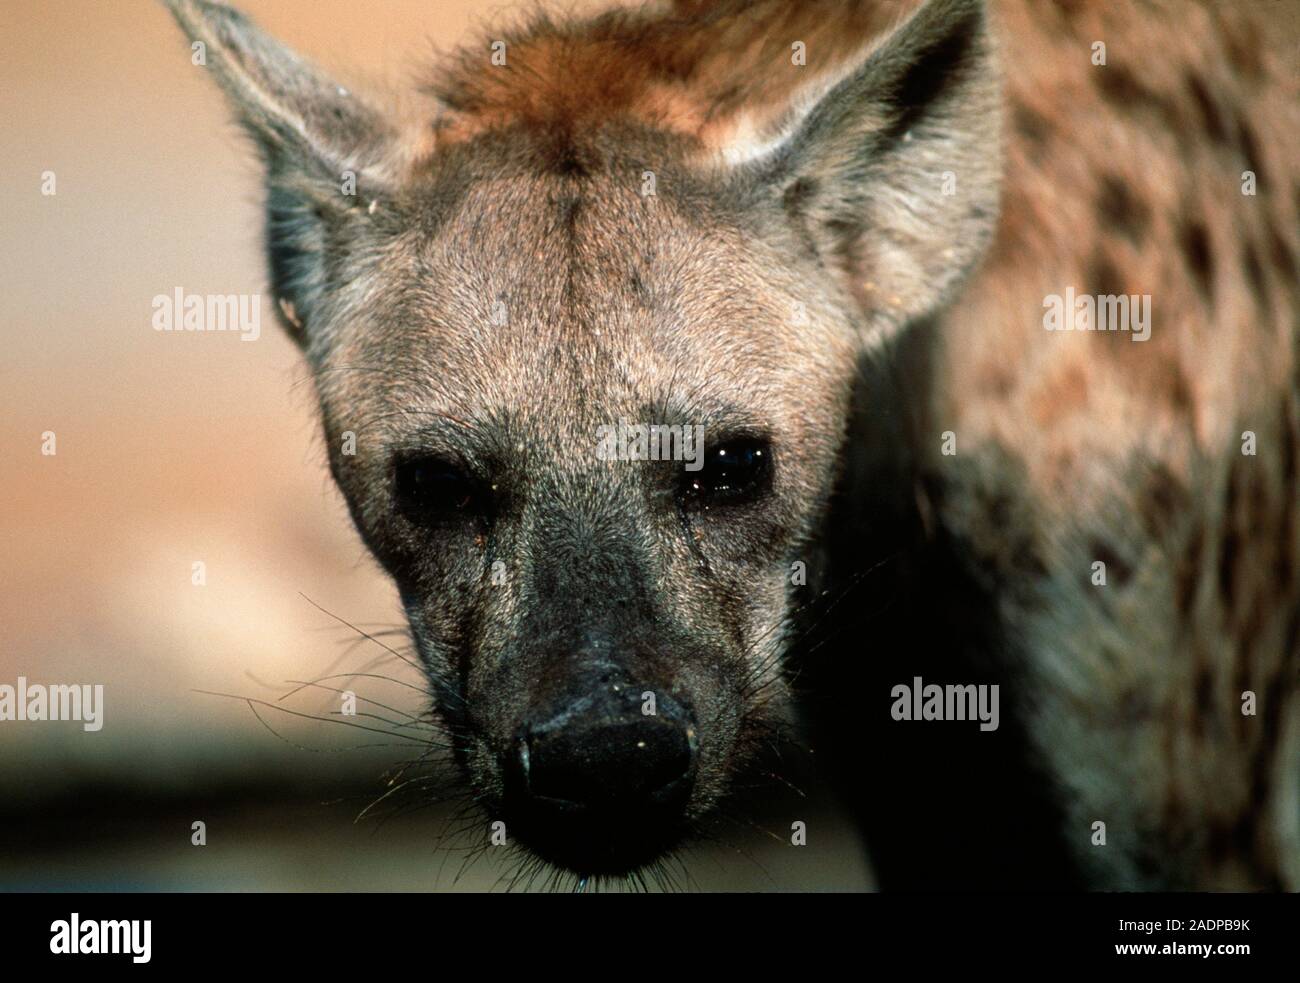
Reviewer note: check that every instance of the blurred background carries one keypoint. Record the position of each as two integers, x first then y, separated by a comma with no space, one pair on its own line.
183,448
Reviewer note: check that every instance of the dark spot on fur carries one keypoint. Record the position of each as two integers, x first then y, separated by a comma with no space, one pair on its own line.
1204,695
1283,258
998,380
1285,561
1121,211
1188,573
1230,544
1104,277
1134,704
1119,85
1290,441
1118,571
1032,126
1211,115
1292,641
999,513
1254,271
1194,239
1241,41
1250,150
1068,9
1021,558
1122,89
1163,499
1235,841
1251,627
1180,392
1286,538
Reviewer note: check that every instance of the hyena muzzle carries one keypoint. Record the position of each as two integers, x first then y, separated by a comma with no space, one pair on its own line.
826,233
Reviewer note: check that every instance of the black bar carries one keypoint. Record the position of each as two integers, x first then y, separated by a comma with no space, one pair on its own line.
445,934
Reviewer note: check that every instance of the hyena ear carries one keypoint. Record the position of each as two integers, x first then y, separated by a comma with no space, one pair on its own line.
323,147
891,173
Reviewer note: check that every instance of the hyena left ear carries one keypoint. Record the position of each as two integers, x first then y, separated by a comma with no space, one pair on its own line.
325,150
892,173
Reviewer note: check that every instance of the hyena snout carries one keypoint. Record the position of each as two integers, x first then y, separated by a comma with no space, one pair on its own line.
600,775
609,765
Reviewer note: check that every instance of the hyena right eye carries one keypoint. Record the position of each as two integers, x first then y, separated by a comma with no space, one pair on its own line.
735,471
433,491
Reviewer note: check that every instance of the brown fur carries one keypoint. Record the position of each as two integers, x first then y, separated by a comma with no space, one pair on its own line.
691,67
1127,178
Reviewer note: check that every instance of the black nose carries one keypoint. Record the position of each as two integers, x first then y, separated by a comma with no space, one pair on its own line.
614,766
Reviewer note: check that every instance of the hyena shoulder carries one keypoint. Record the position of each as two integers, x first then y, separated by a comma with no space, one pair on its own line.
1167,172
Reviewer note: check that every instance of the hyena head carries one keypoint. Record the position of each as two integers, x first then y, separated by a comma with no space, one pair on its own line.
596,230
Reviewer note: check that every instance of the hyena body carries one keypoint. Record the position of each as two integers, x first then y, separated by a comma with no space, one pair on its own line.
828,233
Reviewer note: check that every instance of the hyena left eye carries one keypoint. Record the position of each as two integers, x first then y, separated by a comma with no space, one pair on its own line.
430,490
734,471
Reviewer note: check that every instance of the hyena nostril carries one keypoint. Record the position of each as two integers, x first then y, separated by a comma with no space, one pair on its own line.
605,766
599,791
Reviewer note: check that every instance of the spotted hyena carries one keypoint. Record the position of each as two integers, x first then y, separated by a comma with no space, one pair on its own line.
988,314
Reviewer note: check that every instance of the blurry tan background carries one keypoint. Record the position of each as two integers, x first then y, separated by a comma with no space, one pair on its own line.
183,447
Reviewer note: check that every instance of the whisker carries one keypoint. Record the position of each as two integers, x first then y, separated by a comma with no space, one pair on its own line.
364,634
308,716
351,675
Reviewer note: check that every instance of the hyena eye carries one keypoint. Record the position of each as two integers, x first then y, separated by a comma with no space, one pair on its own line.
734,471
430,490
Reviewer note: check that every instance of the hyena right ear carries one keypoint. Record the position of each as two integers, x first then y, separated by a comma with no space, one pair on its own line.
325,150
891,173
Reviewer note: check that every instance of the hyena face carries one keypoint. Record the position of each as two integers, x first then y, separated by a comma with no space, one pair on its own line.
602,630
481,309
